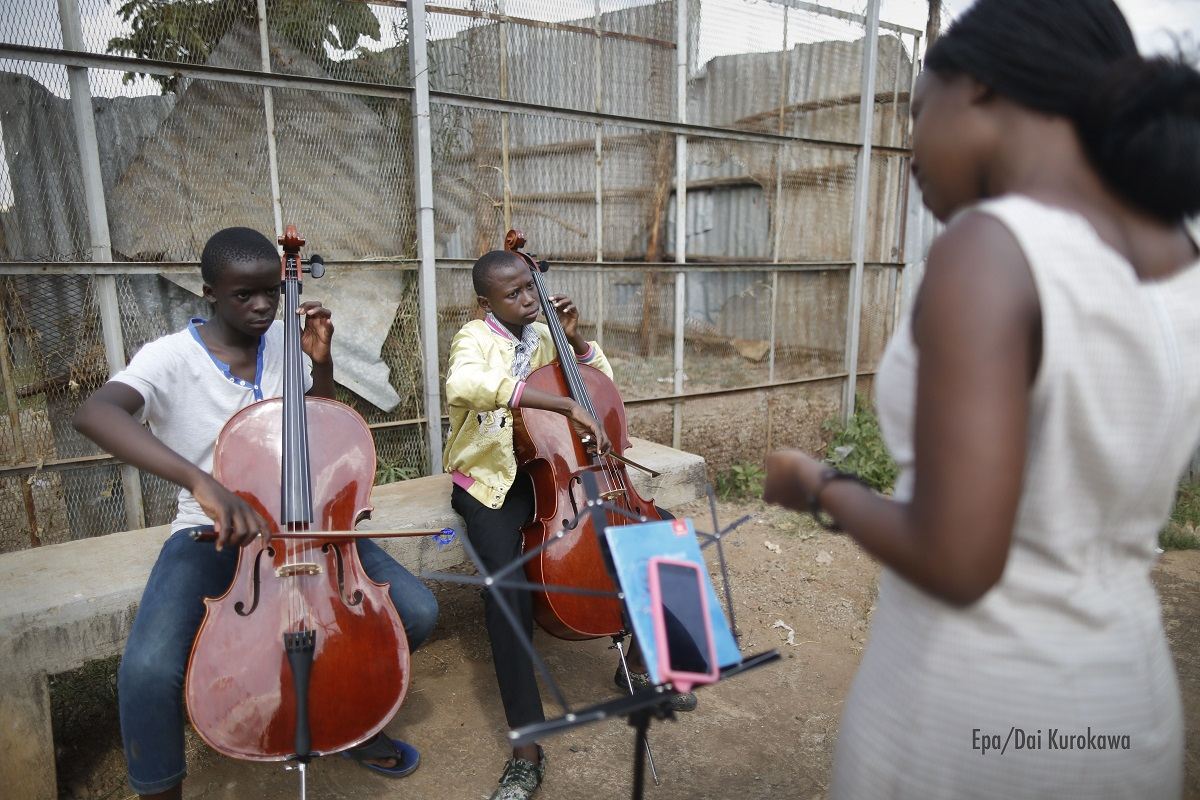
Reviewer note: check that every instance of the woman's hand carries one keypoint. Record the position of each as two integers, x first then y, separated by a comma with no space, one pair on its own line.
791,475
318,331
235,522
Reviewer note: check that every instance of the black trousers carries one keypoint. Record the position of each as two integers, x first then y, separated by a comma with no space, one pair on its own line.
495,533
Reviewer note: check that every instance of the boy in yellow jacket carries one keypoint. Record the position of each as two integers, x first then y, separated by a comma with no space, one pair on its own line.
489,361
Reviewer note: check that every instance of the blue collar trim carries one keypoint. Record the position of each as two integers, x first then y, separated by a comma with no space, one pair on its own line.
256,387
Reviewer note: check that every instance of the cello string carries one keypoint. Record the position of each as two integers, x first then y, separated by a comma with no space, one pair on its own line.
613,471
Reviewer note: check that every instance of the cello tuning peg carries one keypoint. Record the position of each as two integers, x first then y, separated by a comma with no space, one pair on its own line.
543,265
316,266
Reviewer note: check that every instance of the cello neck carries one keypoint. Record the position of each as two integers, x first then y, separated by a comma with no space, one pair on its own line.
296,503
567,362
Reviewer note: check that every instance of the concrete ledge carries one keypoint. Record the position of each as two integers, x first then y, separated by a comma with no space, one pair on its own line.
424,504
64,605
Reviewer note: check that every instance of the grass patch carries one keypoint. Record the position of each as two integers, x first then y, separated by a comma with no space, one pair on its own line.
393,471
741,482
1181,530
87,729
857,446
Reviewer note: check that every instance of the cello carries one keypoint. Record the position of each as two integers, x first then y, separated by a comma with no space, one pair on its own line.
304,655
548,449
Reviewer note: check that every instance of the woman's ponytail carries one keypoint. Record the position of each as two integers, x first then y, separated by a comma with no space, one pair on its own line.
1141,130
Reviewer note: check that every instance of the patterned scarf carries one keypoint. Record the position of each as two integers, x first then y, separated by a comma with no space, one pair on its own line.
523,347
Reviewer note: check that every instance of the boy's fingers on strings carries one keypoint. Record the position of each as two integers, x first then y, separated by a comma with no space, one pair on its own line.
564,305
313,308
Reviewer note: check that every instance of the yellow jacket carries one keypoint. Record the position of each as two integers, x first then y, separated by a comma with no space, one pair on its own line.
480,390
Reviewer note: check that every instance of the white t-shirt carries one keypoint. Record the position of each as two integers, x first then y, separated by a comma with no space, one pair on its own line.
189,396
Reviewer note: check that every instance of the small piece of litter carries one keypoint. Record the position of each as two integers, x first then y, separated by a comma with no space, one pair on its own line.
774,548
791,633
823,557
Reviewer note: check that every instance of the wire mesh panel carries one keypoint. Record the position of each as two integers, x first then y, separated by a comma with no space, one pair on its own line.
468,181
816,204
54,359
638,330
400,453
522,51
456,307
552,185
824,76
31,22
726,329
45,218
887,209
205,168
637,178
221,34
879,292
731,191
893,88
739,64
345,173
466,48
810,323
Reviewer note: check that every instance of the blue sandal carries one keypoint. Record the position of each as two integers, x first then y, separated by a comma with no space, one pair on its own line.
383,746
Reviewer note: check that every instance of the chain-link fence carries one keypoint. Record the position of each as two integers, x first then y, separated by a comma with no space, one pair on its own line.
606,130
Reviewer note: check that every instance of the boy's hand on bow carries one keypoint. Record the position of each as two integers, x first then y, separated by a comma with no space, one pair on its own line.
235,522
588,430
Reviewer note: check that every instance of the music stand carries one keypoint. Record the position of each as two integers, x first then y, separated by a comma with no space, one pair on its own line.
641,706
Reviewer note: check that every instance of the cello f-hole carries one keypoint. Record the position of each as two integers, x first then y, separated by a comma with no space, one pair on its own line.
350,600
239,607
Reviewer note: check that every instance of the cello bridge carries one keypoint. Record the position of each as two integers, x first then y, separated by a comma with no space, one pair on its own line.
303,568
611,494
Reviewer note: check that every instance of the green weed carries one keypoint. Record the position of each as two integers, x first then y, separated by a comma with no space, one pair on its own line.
857,446
1181,530
392,471
741,481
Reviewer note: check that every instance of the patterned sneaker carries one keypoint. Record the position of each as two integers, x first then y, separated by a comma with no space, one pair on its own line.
641,680
521,778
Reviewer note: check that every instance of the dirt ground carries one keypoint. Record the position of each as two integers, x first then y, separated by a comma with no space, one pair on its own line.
768,733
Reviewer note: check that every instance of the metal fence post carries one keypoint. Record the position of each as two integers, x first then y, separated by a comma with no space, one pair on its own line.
681,75
505,174
777,212
598,62
93,192
269,113
427,273
862,186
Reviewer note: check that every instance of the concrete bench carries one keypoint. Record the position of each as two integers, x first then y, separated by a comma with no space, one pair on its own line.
64,605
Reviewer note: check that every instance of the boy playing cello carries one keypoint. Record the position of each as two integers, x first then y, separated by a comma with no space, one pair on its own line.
489,362
185,386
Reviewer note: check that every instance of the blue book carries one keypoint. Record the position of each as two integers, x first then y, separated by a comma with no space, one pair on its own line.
632,547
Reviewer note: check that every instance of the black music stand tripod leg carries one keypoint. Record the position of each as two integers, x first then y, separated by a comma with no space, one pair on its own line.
618,645
641,721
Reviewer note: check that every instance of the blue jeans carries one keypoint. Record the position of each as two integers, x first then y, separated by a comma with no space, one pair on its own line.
150,679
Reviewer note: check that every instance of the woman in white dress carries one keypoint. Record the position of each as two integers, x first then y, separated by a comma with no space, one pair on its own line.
1042,403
